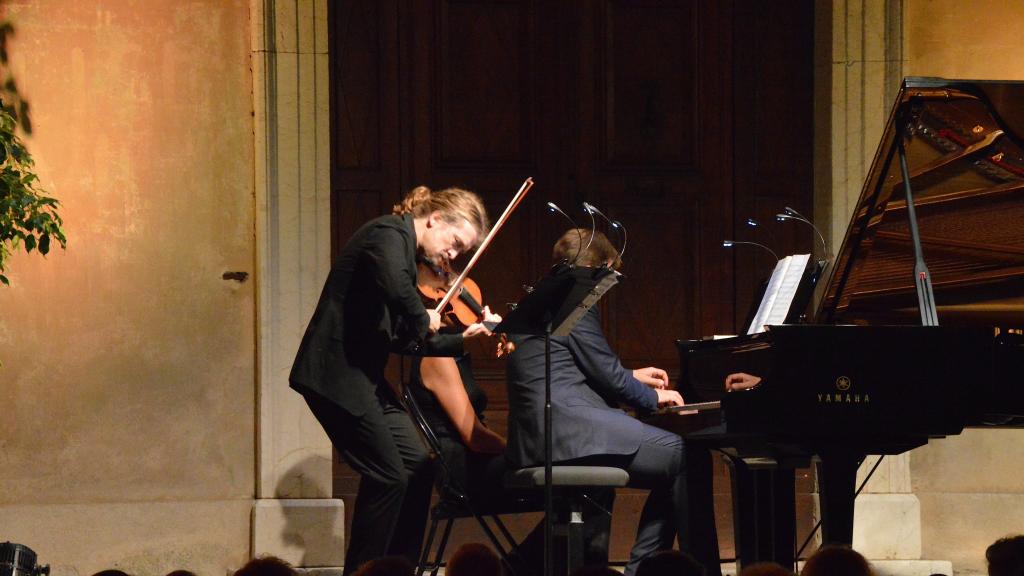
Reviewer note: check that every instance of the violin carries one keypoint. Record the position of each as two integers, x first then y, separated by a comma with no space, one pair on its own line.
465,308
458,284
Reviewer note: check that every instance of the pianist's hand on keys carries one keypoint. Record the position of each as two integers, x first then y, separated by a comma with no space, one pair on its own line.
654,377
668,398
741,381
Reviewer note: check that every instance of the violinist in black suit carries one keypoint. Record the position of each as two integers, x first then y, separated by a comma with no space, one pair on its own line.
588,382
369,308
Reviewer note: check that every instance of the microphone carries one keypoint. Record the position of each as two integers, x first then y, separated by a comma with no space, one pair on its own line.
753,224
552,207
593,227
731,243
791,214
620,230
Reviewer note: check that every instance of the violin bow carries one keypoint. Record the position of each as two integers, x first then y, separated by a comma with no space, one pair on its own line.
527,184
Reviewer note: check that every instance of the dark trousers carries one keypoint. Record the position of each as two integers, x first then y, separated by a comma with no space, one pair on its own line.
680,500
396,478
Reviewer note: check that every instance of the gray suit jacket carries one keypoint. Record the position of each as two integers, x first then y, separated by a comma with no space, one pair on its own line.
587,381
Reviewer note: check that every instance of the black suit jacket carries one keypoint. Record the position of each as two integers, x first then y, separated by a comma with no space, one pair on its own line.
587,381
369,307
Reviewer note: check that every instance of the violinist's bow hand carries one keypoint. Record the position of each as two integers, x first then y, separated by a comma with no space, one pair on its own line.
654,377
435,320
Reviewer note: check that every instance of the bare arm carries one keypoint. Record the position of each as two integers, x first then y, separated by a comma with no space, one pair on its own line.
441,377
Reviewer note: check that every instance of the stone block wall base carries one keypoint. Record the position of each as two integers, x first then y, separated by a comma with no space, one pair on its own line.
912,567
306,532
332,571
887,526
891,568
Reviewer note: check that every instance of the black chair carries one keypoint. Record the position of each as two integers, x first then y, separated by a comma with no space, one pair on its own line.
571,488
454,503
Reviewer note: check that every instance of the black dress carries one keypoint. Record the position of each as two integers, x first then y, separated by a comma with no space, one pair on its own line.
479,475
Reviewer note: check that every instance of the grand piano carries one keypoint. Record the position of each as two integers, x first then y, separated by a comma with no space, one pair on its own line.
864,373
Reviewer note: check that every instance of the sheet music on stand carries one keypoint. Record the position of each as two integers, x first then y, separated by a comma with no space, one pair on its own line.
782,288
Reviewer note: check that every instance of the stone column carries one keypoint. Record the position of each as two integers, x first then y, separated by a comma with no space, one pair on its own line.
294,516
862,78
865,70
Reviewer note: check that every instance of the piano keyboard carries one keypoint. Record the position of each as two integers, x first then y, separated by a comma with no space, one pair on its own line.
695,407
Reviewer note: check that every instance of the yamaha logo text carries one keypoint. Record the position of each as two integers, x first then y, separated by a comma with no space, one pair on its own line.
843,395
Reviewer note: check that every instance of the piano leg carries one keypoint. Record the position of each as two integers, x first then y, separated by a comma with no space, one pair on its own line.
699,537
764,512
837,475
743,513
783,514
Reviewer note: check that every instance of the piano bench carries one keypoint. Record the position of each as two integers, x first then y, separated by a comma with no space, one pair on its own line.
758,463
564,476
569,486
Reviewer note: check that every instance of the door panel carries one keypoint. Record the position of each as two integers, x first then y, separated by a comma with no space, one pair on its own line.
678,118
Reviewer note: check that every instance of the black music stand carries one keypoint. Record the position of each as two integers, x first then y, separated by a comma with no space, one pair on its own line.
552,308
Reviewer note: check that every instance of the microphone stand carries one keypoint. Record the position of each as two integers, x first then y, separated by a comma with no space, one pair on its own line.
922,277
548,449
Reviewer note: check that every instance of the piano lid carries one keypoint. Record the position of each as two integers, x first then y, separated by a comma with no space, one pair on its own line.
966,163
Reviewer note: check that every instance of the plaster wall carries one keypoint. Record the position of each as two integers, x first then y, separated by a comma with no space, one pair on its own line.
970,486
128,376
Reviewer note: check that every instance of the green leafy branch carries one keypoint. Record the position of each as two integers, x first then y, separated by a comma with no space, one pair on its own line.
28,217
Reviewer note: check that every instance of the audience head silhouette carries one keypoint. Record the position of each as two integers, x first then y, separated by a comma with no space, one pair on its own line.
266,566
386,566
1005,556
766,569
473,559
669,562
836,561
595,570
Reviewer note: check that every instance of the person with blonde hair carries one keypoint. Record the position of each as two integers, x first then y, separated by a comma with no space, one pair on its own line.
369,308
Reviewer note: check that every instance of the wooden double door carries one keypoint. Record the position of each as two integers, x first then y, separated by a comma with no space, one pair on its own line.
679,118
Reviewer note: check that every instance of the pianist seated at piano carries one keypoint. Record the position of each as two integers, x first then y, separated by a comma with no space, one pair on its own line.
588,383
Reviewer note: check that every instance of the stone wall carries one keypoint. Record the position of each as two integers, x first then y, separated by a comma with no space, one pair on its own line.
128,377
